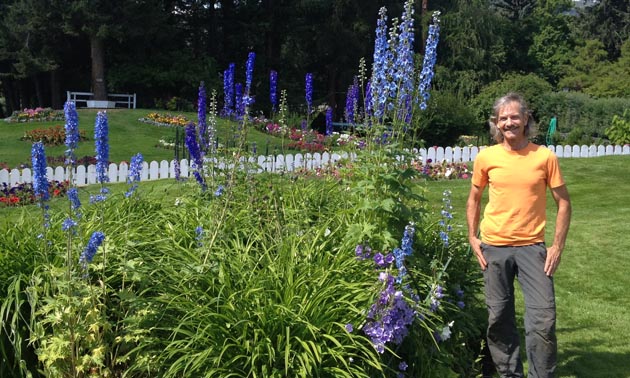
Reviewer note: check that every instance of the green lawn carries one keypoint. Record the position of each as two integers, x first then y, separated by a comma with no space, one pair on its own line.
127,137
592,281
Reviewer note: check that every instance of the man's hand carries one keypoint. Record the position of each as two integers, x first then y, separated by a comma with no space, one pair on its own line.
552,261
475,244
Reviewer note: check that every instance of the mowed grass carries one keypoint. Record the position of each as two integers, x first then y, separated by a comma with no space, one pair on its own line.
127,137
593,279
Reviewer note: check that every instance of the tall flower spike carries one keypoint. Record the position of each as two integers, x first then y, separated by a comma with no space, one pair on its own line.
379,67
273,89
238,95
40,181
73,196
72,130
133,177
249,71
248,99
90,249
195,153
403,66
329,116
228,90
309,92
430,56
101,141
201,116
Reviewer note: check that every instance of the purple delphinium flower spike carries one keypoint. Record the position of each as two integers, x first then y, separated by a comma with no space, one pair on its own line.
309,92
72,131
382,54
238,95
73,196
133,177
195,154
101,141
249,71
329,125
40,181
201,117
430,56
90,249
273,89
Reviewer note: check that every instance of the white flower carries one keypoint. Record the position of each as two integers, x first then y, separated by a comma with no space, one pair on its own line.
446,331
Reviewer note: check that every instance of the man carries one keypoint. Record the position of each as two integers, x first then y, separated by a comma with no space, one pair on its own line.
511,241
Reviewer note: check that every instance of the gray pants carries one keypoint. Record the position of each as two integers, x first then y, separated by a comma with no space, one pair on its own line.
527,264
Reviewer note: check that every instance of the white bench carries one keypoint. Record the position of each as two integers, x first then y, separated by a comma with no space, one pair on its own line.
113,100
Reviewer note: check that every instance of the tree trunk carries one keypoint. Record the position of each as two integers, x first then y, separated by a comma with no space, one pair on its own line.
55,90
99,87
38,91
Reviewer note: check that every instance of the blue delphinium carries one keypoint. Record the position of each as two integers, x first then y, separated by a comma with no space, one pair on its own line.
40,181
133,177
90,249
68,224
406,249
309,92
388,319
195,154
352,98
436,294
430,56
367,104
228,90
249,71
379,81
238,96
329,117
101,142
201,117
72,131
219,191
73,196
273,89
446,217
248,99
403,65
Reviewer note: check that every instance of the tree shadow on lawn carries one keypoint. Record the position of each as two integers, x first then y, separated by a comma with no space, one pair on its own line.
579,360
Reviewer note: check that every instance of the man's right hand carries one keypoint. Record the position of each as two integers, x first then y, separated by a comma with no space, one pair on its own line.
475,244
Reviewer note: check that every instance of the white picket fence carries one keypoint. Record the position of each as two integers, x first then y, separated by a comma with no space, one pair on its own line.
154,170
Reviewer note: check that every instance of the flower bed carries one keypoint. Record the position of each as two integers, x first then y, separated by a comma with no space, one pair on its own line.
52,136
36,115
23,194
442,171
165,120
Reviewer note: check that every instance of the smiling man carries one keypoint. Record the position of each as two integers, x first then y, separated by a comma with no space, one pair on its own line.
509,242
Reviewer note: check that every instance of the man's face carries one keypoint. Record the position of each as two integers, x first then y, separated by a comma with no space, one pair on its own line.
511,122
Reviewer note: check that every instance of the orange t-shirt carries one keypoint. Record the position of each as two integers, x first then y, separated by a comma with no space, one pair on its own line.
518,180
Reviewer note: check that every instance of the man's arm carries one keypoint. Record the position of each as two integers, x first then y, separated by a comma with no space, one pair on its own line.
473,211
563,219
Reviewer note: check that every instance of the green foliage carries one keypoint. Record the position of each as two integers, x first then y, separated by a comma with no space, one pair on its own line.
582,119
446,118
619,130
586,67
